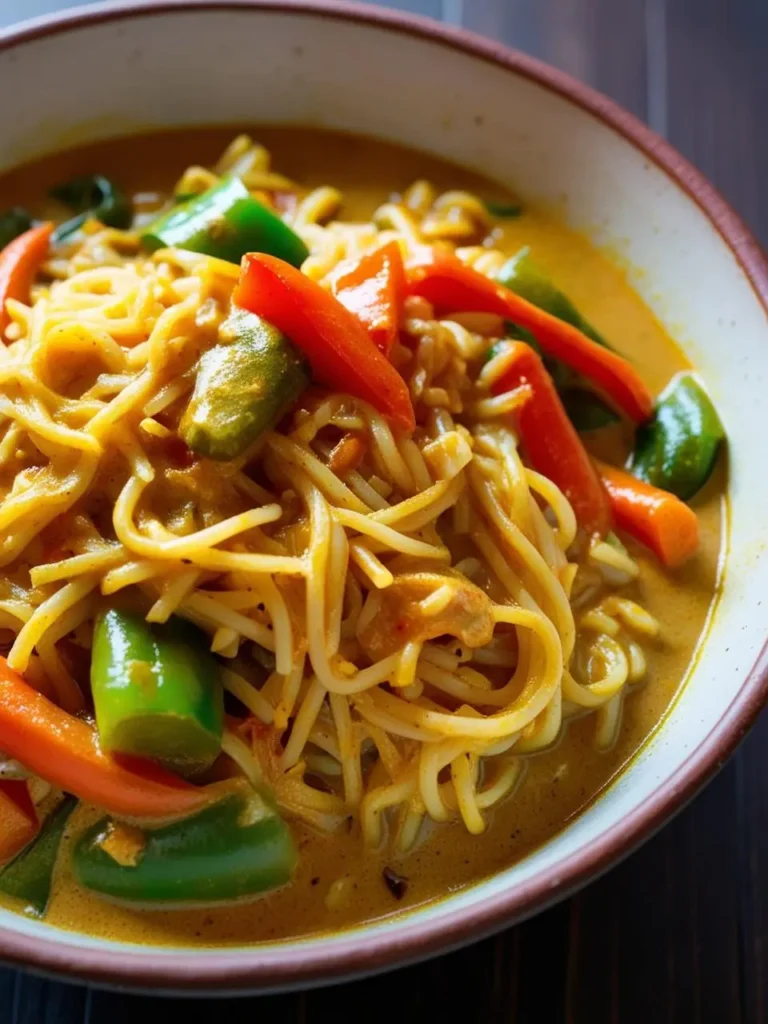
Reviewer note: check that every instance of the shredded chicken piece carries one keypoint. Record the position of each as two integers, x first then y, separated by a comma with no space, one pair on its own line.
467,615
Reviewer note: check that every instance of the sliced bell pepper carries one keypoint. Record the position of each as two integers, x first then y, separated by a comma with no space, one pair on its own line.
678,449
65,751
243,387
374,291
28,877
156,691
551,442
226,222
19,263
336,344
521,275
92,196
656,518
586,410
450,286
236,848
18,817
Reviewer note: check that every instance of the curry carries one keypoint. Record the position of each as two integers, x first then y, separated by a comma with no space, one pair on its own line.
330,533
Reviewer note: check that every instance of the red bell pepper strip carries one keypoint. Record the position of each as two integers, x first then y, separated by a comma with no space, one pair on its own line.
65,751
551,442
374,290
336,344
19,263
18,818
656,518
450,286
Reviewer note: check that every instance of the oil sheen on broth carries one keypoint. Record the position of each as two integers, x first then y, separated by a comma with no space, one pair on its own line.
558,783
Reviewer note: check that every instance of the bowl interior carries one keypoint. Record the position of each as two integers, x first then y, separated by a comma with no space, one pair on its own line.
267,65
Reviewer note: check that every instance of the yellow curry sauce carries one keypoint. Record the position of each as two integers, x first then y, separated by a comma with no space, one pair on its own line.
556,784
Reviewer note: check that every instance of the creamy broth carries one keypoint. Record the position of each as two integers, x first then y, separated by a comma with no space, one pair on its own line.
558,783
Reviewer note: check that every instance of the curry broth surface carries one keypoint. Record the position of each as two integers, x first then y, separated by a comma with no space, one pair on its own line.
556,784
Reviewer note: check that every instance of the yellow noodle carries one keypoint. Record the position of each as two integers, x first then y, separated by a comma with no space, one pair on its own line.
248,695
289,695
274,548
363,557
204,607
395,540
44,617
349,750
303,723
234,747
78,565
463,772
174,592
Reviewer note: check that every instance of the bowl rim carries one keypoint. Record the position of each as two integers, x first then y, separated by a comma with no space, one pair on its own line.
292,964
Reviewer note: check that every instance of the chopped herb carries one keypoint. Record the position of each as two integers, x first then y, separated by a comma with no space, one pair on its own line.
92,196
13,222
503,210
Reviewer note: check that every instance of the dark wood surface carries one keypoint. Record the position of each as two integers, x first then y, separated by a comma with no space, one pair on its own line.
678,933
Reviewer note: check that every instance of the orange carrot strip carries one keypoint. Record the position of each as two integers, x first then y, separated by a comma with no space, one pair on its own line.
65,751
656,518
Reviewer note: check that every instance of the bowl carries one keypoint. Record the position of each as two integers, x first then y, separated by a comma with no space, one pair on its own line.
127,67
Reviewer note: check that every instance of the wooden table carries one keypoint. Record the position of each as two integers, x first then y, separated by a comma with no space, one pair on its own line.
678,933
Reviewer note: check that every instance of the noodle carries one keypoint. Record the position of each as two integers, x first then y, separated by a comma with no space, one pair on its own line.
279,551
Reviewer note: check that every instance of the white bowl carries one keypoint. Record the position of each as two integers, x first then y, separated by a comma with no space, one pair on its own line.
114,70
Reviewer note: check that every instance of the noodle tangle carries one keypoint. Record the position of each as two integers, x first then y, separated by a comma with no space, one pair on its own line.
401,635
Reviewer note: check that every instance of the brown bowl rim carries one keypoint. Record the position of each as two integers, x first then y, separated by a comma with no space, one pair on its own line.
294,965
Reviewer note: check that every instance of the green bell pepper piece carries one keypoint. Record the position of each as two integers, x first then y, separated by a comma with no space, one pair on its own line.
521,275
92,196
28,876
243,386
587,410
678,448
13,222
156,691
236,848
226,222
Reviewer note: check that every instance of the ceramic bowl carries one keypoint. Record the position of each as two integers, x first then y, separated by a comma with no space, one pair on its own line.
103,71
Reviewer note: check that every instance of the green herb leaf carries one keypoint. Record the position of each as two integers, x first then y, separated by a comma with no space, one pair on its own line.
503,210
13,222
92,196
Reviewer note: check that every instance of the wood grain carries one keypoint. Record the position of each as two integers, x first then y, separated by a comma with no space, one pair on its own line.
602,42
